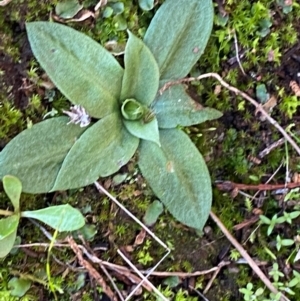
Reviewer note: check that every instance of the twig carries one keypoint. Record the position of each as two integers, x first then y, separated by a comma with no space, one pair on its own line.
105,272
144,278
103,190
215,274
246,256
197,292
43,229
92,271
237,52
268,149
188,275
258,106
122,269
228,186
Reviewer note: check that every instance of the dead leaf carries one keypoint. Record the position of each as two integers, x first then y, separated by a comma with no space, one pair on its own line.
128,249
296,178
268,107
217,90
140,238
295,88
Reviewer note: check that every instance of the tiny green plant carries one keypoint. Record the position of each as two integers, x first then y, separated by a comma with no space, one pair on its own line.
60,217
117,111
249,294
275,220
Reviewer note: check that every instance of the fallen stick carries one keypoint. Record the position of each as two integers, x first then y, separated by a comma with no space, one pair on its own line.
247,257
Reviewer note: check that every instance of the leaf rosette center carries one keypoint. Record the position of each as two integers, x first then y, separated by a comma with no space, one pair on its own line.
132,109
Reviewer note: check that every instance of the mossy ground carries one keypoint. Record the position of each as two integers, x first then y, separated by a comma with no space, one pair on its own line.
268,37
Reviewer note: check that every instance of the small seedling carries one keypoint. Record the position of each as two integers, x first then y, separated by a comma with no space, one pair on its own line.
60,217
271,222
249,294
283,242
287,217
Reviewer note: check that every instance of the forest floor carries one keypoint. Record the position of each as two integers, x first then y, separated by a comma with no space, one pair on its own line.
254,47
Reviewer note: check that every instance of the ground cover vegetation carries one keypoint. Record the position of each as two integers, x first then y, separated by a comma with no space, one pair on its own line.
254,47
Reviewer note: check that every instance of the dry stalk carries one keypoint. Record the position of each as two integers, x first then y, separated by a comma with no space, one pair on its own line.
247,257
92,271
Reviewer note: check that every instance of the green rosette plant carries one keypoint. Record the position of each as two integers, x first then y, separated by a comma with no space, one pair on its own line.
119,111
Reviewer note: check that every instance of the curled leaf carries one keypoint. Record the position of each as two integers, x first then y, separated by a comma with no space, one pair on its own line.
132,109
141,76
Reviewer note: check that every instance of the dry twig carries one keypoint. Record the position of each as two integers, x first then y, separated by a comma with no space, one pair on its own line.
215,274
258,106
237,52
92,271
229,186
246,256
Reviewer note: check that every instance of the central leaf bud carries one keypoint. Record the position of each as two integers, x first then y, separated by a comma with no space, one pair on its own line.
132,109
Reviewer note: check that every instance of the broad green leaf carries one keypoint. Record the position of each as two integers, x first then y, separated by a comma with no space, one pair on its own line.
8,233
68,9
178,176
13,189
85,72
18,286
178,34
153,212
141,76
35,155
60,217
7,243
101,151
146,131
146,4
8,225
175,107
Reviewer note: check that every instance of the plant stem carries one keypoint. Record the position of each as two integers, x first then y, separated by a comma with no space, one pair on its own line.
258,106
28,277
